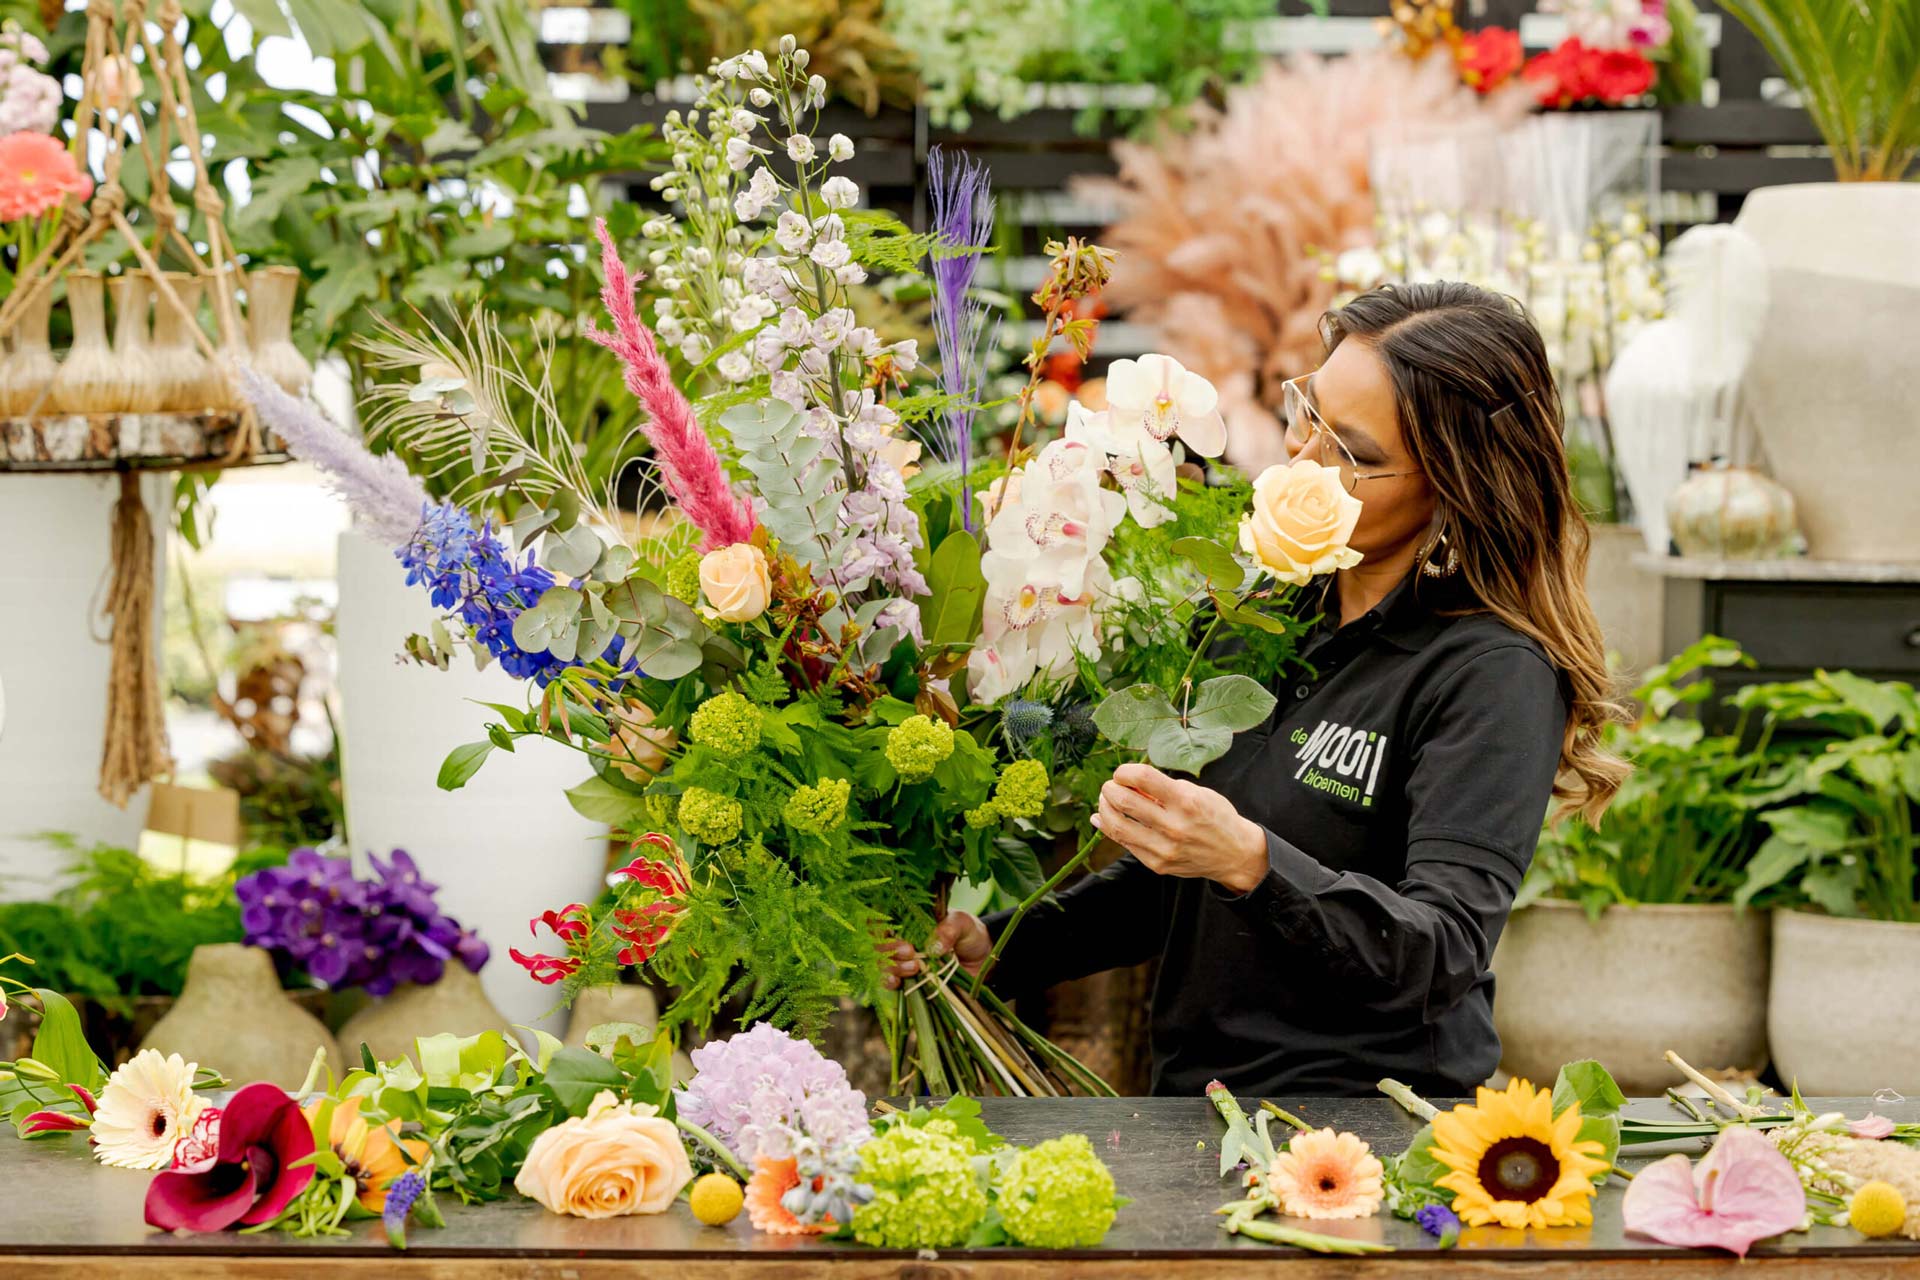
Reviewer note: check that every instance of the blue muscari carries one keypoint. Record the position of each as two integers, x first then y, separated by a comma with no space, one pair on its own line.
470,573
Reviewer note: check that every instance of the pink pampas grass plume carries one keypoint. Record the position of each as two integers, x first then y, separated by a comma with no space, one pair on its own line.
689,464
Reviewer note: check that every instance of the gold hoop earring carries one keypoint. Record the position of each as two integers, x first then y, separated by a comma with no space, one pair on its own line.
1434,567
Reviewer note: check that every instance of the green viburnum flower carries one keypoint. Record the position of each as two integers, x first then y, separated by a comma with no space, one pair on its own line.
683,578
1057,1195
1022,789
710,817
661,807
917,745
925,1193
985,815
727,723
818,809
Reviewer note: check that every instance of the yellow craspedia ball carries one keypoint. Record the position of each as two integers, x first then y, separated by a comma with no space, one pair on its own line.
1877,1209
716,1199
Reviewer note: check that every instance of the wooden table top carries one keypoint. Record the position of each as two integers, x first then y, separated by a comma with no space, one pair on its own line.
61,1215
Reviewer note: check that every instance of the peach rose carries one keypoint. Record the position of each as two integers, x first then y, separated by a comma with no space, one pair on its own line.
736,582
617,1159
638,749
1301,519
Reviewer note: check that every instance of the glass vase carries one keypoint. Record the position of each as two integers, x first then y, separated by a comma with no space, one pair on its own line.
27,372
180,388
270,294
87,381
136,391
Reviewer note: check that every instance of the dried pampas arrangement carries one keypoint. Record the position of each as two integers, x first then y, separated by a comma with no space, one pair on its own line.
1221,223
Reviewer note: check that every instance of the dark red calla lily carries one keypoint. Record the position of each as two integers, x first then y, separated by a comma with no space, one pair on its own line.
263,1136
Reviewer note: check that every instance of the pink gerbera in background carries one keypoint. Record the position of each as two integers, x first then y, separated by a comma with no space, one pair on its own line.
1323,1174
36,172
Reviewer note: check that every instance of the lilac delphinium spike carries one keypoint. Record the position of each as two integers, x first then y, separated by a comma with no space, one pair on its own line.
962,195
382,492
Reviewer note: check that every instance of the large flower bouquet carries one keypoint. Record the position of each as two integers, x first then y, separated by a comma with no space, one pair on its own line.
850,670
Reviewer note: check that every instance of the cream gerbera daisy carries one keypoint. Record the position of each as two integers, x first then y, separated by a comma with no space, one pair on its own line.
147,1104
1324,1174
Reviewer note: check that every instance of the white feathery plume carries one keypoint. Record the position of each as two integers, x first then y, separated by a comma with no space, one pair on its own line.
386,498
1717,289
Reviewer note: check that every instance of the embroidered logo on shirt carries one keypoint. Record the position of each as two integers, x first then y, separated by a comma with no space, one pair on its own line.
1340,760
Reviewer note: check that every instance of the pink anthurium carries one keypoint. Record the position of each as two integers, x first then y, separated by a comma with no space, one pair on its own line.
1871,1126
1742,1191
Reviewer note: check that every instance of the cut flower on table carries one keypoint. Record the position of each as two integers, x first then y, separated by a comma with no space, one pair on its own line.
1742,1191
1512,1160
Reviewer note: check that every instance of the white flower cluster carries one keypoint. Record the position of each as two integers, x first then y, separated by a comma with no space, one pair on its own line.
1588,294
29,100
1051,520
777,297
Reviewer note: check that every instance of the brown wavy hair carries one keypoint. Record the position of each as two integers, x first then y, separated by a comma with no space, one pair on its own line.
1481,414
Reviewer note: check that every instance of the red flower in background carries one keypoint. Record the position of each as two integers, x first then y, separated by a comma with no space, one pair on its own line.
1571,73
1488,58
644,928
1065,366
572,924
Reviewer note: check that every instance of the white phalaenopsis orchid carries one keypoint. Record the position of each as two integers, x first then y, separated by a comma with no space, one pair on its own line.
1141,466
1155,398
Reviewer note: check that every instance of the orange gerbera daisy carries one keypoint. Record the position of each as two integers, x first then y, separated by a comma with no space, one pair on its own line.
372,1153
771,1180
1323,1174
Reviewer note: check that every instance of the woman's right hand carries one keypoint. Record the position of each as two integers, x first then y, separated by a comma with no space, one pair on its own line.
960,935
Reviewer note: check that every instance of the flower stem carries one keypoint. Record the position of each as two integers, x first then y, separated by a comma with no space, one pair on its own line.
715,1146
1313,1242
1285,1117
1419,1107
1031,901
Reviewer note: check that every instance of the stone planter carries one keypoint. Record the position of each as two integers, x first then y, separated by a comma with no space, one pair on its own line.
1843,1009
233,1016
388,1026
1839,333
1625,989
623,1002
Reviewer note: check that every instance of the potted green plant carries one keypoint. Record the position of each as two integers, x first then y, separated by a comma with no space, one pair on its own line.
1645,896
1845,278
1843,1010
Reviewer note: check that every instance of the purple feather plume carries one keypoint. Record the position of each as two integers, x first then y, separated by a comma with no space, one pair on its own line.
962,195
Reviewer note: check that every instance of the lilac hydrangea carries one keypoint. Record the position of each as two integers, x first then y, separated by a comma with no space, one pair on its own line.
762,1091
346,932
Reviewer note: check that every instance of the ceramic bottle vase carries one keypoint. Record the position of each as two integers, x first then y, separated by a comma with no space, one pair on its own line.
135,389
26,372
87,381
389,1026
270,293
183,367
233,1016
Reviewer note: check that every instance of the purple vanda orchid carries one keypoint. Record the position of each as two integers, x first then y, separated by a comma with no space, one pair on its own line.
1741,1191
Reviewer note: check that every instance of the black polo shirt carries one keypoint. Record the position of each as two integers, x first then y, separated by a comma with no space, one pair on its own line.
1402,785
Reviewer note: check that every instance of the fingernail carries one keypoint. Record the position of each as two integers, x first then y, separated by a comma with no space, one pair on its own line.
909,966
939,947
1095,820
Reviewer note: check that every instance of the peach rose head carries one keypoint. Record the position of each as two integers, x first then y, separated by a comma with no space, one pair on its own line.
617,1159
736,582
1301,519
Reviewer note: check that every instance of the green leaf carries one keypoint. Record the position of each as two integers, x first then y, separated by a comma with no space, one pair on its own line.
61,1044
548,627
265,17
571,553
481,242
1835,887
1244,617
1211,559
1417,1169
1235,703
1777,859
957,590
461,764
576,1076
1589,1084
273,185
598,800
1130,716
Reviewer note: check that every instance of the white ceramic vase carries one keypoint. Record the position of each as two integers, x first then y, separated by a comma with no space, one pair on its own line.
1838,351
1625,989
55,672
1843,1011
505,847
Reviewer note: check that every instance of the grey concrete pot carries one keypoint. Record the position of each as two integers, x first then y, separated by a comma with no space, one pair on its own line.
1629,987
233,1016
1843,1013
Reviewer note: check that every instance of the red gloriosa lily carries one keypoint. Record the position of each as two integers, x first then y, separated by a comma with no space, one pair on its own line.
52,1121
547,969
255,1175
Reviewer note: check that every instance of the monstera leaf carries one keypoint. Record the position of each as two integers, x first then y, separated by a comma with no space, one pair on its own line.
1142,718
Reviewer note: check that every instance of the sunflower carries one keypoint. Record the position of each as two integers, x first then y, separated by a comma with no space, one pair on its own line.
147,1104
1512,1161
1324,1174
375,1155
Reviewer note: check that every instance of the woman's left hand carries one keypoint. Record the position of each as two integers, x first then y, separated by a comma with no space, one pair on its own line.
1180,828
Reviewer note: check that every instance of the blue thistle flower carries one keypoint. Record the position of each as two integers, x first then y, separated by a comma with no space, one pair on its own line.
1023,721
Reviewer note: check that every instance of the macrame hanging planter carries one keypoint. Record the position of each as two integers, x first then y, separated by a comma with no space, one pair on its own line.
157,390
